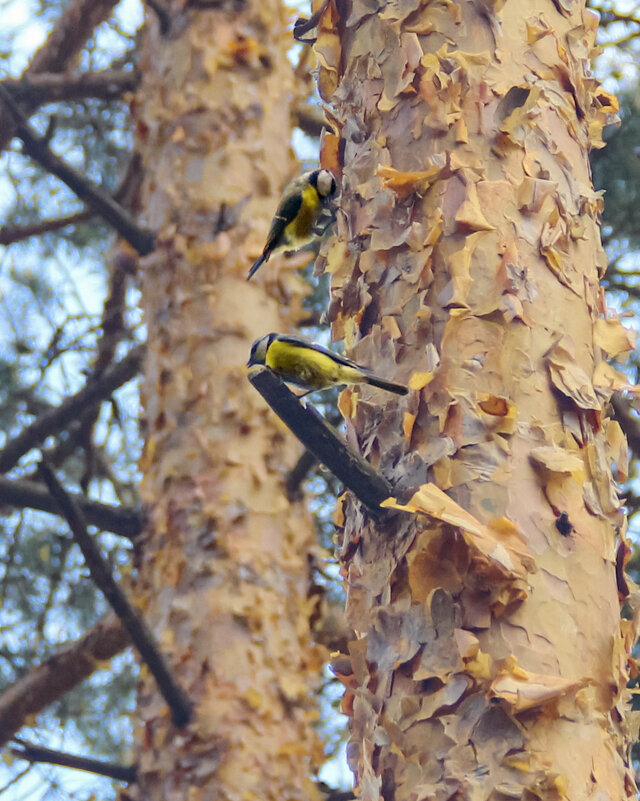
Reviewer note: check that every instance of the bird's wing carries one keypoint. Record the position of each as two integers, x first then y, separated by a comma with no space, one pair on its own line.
303,343
286,211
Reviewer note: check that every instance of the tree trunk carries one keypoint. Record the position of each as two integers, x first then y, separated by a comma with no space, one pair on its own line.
223,569
491,660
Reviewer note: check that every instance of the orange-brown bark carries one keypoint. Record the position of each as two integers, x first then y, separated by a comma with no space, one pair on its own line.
491,660
224,565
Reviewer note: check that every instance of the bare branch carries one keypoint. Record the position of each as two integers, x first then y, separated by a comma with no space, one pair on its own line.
628,423
37,753
609,16
331,629
309,119
124,194
323,441
58,675
97,389
141,637
15,779
18,233
31,494
204,4
68,36
298,474
164,19
331,794
302,26
38,148
112,332
55,87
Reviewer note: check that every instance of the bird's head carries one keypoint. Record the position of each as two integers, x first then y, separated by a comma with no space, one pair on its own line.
324,183
259,350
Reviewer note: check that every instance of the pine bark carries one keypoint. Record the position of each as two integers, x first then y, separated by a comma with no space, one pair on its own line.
491,660
224,563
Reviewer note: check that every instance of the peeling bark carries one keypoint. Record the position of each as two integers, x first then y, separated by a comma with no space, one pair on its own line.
224,567
491,660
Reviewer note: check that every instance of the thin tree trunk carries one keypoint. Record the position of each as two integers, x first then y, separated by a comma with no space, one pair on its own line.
491,660
223,573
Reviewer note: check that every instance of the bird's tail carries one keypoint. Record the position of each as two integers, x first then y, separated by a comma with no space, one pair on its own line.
256,265
381,383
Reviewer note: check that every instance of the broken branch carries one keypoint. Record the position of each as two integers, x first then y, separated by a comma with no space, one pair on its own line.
323,441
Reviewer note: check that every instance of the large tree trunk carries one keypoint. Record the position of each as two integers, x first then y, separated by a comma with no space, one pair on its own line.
492,661
223,572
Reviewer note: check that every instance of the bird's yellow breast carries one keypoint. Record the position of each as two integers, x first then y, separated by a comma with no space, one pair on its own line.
300,229
306,367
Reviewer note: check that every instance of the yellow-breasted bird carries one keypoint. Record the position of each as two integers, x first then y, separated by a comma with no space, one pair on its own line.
310,367
296,219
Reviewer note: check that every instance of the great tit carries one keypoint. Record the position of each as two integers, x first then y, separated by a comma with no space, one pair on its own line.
295,223
310,367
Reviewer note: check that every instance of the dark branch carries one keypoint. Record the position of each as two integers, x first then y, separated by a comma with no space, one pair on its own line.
331,794
72,30
55,87
162,15
305,464
323,441
59,674
337,795
298,474
19,233
302,26
129,186
51,422
141,637
37,753
38,148
113,330
628,423
309,119
30,494
204,4
70,33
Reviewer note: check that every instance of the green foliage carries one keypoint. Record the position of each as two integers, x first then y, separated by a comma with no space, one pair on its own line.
616,170
52,292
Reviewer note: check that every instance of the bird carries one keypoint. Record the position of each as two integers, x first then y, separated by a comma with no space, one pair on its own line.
310,366
295,222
